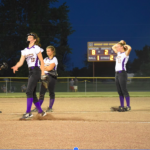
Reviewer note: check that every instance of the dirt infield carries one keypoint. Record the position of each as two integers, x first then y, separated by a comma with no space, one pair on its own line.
86,123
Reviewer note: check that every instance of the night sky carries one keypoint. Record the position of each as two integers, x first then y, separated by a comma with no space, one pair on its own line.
107,20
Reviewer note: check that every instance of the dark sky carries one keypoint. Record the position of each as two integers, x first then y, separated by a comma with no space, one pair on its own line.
107,20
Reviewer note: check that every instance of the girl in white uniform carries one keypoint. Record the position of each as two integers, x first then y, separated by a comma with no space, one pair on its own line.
32,54
123,52
50,64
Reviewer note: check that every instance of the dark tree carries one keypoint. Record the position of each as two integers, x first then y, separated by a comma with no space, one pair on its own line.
19,17
141,64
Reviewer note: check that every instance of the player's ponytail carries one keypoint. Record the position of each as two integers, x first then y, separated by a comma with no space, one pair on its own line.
52,49
37,42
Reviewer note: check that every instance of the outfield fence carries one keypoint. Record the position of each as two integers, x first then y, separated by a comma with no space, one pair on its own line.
84,84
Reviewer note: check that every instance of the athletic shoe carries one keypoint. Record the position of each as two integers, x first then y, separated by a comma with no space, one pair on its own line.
49,110
26,116
0,111
121,109
34,110
42,114
127,108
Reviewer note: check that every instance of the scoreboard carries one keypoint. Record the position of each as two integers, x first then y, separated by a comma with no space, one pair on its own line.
101,51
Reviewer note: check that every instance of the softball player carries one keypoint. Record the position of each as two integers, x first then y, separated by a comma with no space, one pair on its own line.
32,54
123,52
50,63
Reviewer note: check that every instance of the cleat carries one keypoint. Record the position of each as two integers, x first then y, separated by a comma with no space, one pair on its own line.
26,116
121,109
49,110
127,108
0,111
34,110
42,114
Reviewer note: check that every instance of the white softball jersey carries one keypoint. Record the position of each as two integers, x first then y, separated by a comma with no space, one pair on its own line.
48,61
121,61
31,55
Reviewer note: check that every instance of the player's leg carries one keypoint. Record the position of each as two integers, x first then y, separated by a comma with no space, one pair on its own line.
41,97
42,94
34,76
121,107
123,84
121,96
37,76
36,102
29,92
51,88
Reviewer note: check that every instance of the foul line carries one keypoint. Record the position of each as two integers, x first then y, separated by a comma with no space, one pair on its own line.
81,112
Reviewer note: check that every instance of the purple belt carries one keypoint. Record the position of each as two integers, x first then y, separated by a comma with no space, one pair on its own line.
30,68
120,71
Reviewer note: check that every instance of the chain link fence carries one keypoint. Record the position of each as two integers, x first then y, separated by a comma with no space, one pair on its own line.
79,84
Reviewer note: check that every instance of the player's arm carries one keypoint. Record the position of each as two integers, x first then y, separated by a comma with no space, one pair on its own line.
50,67
19,64
42,62
128,47
114,48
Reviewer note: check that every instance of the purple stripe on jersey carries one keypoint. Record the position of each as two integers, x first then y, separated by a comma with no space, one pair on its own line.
50,59
36,62
123,63
30,47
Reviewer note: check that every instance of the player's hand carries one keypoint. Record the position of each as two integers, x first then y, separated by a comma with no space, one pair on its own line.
15,68
45,68
126,48
42,73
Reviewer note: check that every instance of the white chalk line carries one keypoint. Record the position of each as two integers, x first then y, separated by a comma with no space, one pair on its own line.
83,112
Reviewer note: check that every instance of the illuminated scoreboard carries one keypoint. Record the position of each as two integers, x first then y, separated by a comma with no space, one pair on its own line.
101,51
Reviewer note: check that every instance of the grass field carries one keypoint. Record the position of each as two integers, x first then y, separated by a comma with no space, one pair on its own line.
77,94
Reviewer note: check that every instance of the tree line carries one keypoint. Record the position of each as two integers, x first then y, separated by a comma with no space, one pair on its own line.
51,23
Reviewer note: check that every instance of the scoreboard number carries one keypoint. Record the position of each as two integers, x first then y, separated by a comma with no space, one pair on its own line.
106,51
111,57
97,57
93,52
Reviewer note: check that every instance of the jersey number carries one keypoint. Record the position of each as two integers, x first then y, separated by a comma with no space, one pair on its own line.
32,59
119,60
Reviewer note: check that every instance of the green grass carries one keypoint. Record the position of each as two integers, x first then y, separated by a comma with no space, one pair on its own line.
77,94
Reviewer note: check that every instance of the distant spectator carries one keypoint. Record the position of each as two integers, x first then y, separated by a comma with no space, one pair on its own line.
76,85
23,88
72,85
3,88
12,89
